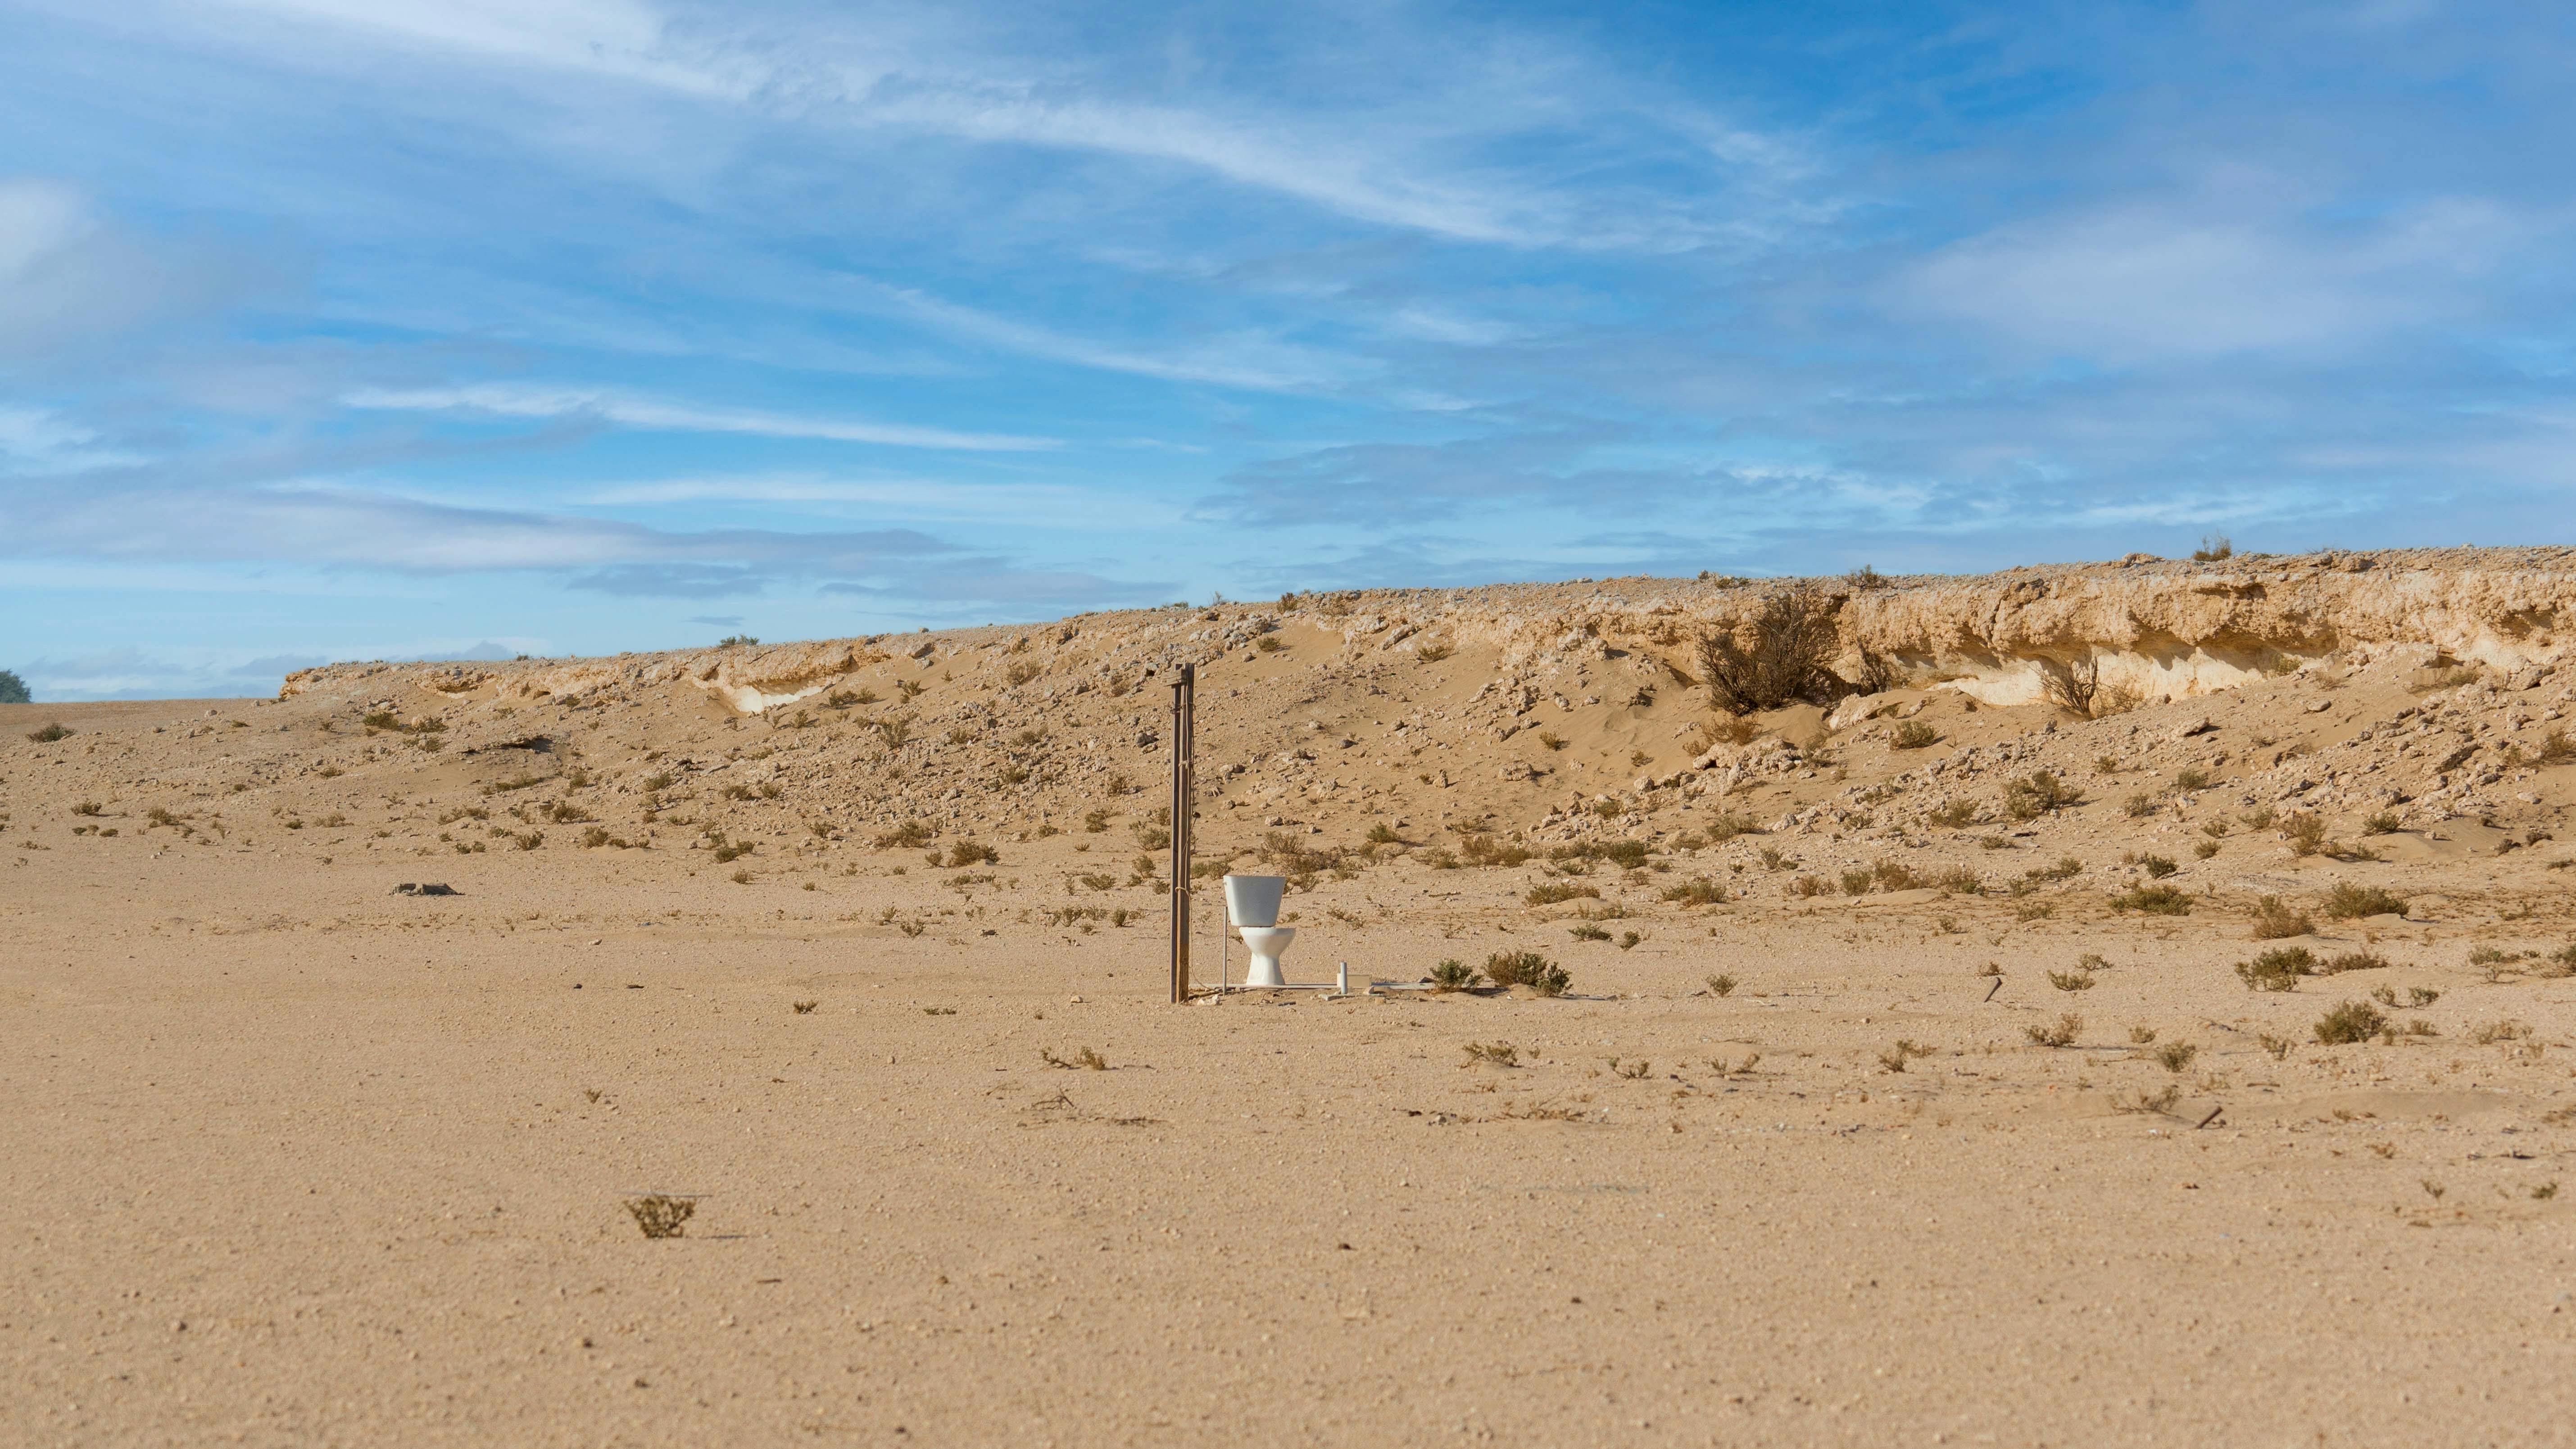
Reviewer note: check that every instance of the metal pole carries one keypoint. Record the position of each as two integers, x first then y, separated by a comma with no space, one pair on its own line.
1184,721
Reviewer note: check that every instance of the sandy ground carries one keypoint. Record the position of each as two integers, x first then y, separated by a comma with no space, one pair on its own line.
292,1159
275,1183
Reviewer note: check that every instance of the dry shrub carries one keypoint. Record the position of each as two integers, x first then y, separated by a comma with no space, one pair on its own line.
2353,1021
2077,688
2278,969
2274,921
911,835
2347,901
2038,793
2155,900
1778,655
1453,975
2060,1033
660,1215
970,852
1732,730
1487,850
1905,1050
1699,890
1527,968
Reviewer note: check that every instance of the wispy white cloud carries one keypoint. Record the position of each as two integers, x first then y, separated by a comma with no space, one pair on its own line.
1057,504
2187,278
1414,159
524,401
36,443
1245,359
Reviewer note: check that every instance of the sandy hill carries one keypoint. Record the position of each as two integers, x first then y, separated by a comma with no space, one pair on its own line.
2254,715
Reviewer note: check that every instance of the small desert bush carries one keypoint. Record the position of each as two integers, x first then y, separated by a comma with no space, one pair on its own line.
2353,961
2076,980
1956,815
1914,734
1486,850
1721,986
49,734
2037,794
1452,974
1586,931
2385,822
1905,1050
1699,890
2306,834
2138,805
969,852
2078,689
2155,900
2278,969
2175,1056
2353,1021
2347,901
1731,730
1527,968
911,835
1550,892
2191,779
2060,1033
661,1216
2157,866
2274,921
1492,1053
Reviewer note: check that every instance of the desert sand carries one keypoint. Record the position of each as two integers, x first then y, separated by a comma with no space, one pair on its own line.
1896,1095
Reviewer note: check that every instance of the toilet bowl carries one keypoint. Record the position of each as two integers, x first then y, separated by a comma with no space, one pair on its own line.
1267,944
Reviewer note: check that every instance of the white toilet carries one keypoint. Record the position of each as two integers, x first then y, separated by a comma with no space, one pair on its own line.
1252,908
1267,944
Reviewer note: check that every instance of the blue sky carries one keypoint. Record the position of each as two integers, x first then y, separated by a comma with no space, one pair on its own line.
418,328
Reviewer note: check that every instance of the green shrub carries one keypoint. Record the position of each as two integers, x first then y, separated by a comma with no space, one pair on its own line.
2353,1021
1527,968
1699,890
2274,921
2155,900
2347,901
13,690
2278,969
1452,974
